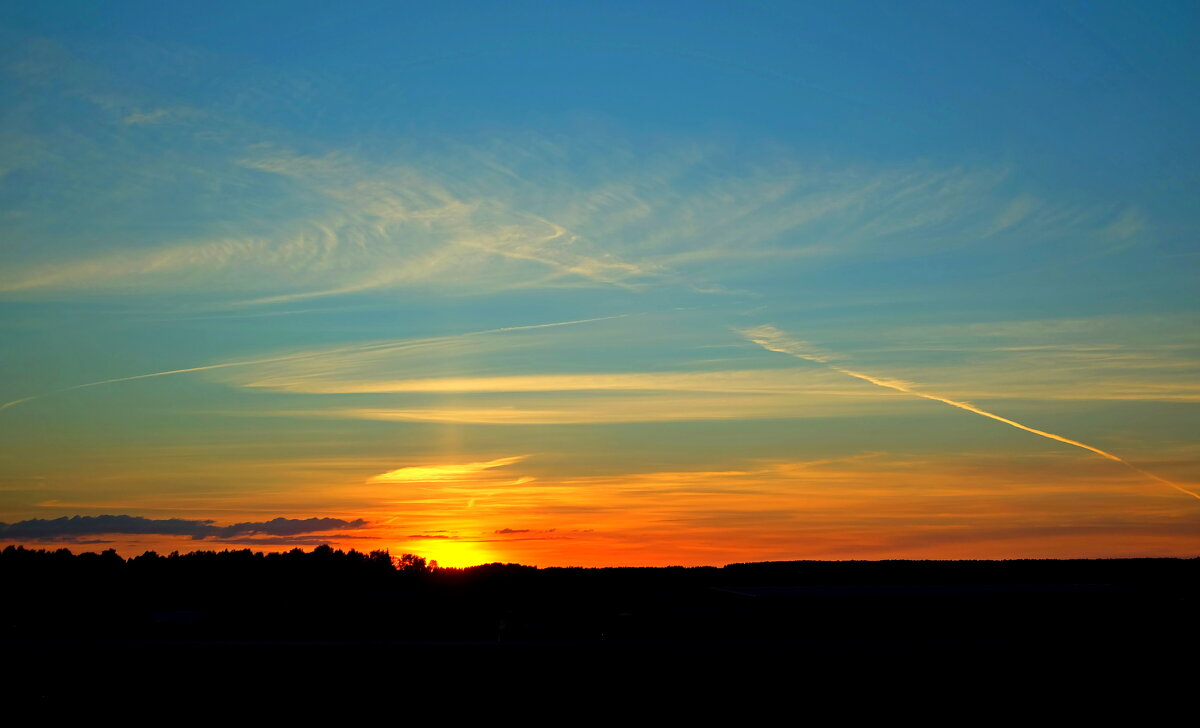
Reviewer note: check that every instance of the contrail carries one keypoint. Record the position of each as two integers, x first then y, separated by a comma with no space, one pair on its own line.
303,355
556,323
772,339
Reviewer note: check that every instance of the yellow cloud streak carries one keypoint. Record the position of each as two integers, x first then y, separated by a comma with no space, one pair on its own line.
438,473
772,339
754,381
611,409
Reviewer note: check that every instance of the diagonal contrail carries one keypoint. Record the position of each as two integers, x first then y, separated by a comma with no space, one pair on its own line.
772,339
303,355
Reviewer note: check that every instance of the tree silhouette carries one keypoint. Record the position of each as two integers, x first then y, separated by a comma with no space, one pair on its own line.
412,564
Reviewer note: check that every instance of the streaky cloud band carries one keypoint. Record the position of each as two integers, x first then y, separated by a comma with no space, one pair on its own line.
302,355
772,339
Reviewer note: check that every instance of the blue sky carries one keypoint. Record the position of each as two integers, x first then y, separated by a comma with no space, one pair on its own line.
335,237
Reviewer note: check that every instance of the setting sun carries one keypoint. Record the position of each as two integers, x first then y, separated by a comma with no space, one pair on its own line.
450,554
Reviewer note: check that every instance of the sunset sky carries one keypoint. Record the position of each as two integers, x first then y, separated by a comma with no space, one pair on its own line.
601,283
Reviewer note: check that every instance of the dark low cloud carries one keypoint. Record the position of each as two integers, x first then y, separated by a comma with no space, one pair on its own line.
74,527
287,527
294,540
519,538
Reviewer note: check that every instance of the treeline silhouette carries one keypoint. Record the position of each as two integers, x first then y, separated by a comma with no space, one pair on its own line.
329,595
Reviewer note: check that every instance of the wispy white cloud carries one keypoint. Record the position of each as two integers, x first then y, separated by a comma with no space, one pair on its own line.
160,115
505,215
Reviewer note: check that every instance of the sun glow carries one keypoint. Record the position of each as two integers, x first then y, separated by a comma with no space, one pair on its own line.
452,553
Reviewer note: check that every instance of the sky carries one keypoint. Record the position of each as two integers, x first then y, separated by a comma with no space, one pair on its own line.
601,284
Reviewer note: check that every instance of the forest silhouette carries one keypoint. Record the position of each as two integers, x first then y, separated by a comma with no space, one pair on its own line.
365,622
331,594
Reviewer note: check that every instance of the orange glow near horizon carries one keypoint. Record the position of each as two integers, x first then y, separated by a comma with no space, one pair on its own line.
866,506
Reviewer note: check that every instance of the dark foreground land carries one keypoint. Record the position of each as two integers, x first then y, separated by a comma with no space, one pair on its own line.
217,624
